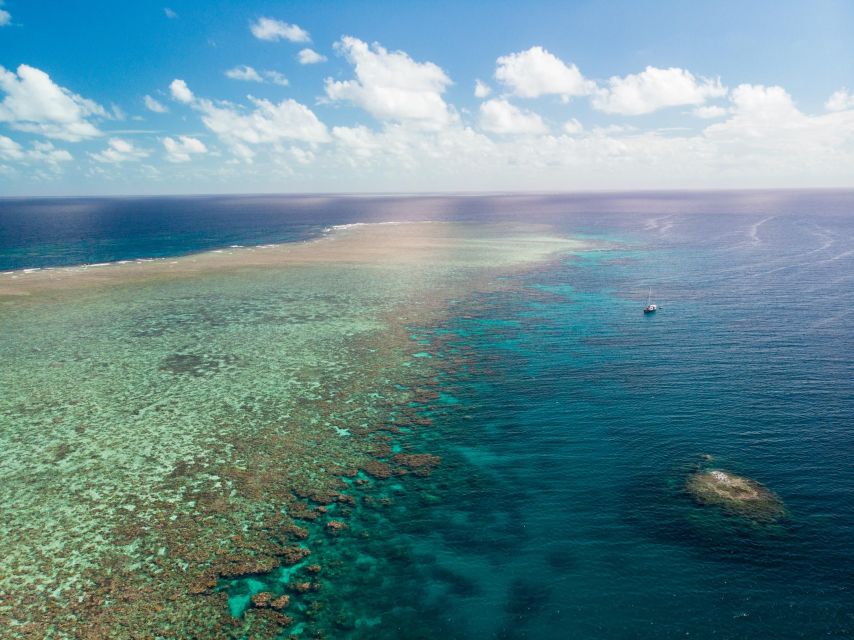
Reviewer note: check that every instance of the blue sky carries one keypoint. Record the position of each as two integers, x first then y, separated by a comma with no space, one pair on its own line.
573,95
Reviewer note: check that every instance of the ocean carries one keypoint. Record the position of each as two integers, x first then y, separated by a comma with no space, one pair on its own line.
566,420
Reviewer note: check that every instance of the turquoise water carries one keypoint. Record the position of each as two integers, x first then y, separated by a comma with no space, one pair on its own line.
572,420
567,422
580,438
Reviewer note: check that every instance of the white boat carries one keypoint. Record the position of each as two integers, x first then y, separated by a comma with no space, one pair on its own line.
650,307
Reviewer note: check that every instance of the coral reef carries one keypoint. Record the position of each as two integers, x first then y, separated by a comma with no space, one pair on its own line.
208,417
422,464
736,494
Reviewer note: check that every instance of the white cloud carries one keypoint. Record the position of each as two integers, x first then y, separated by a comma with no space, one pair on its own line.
763,141
276,78
10,149
5,18
362,141
181,149
499,116
153,105
572,127
34,103
169,13
536,72
310,56
46,152
416,153
271,29
119,150
767,134
244,72
43,152
654,89
180,91
840,100
266,123
392,86
763,106
481,90
710,112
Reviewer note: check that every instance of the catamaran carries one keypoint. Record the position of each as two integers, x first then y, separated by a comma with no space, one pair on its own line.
650,307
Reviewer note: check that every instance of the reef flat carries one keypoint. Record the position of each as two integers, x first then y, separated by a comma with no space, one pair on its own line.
170,425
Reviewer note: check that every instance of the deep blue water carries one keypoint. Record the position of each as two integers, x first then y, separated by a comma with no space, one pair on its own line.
567,515
559,509
51,232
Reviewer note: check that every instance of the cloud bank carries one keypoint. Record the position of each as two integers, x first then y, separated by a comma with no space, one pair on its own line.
385,120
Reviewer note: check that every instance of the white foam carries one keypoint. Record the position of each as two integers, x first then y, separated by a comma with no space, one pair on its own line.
351,225
753,231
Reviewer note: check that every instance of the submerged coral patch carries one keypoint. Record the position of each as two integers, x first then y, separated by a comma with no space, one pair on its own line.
195,364
736,494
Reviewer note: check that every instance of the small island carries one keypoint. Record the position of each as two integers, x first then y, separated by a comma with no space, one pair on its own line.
736,494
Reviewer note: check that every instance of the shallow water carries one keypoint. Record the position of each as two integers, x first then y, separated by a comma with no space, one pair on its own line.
566,420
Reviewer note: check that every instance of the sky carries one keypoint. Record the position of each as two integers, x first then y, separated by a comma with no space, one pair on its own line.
327,96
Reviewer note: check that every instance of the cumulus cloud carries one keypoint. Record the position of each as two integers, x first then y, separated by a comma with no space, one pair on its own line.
654,89
244,72
119,150
180,91
169,13
536,72
154,105
34,103
392,86
272,29
481,89
763,105
840,100
767,133
265,123
499,116
181,149
5,18
310,56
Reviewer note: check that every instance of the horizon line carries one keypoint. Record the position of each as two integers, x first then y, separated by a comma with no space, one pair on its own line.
422,194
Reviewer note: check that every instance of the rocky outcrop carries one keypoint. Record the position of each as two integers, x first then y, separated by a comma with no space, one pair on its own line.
736,494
